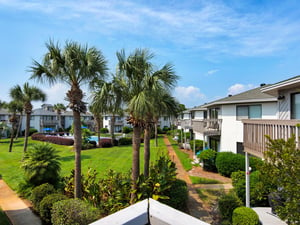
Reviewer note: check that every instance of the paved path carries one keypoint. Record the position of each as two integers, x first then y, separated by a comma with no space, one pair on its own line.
195,204
14,207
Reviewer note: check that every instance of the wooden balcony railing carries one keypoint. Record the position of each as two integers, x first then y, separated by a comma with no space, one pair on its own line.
212,127
255,131
49,122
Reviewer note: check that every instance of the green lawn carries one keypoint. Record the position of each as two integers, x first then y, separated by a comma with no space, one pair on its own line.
202,180
101,159
183,157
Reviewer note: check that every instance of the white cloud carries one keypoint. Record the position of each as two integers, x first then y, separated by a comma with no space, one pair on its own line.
238,88
189,96
213,26
211,72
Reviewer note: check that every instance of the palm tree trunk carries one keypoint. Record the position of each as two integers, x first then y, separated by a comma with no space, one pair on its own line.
98,130
112,128
146,150
12,136
77,148
27,131
155,128
136,142
19,127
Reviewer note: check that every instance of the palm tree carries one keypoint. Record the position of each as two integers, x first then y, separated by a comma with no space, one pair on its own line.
59,107
141,81
26,95
109,98
74,65
13,107
20,111
97,114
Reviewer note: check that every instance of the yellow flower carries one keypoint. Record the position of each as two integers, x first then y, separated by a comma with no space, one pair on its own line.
157,185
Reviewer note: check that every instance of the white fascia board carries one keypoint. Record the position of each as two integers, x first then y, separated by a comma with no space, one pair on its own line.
284,84
242,101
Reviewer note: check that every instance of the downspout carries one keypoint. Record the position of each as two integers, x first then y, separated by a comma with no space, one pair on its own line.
247,180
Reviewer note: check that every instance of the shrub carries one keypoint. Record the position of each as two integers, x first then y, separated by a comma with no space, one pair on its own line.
244,216
39,192
46,206
104,130
41,165
178,195
227,203
52,139
198,144
125,141
208,157
228,162
73,211
105,143
255,163
126,130
31,131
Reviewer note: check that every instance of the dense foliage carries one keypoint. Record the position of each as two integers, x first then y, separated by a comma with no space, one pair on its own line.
244,216
208,158
126,130
39,192
53,139
73,211
228,162
281,171
125,141
41,165
227,203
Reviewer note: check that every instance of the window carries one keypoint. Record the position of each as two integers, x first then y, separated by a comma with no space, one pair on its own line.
295,106
248,112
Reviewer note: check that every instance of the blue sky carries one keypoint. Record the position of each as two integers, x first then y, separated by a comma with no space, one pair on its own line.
217,47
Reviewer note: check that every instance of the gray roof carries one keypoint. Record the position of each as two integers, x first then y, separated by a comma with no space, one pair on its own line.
292,83
251,96
42,112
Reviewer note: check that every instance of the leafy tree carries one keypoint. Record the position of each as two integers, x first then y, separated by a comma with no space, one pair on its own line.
59,108
140,81
74,65
26,95
41,165
281,170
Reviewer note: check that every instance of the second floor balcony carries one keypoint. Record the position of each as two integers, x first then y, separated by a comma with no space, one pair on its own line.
49,122
255,131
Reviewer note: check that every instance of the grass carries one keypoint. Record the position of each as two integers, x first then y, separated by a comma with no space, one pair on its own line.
3,218
183,157
117,158
202,180
210,196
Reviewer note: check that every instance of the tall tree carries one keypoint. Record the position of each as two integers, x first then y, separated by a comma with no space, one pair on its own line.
97,114
74,65
26,95
109,98
59,108
140,81
13,107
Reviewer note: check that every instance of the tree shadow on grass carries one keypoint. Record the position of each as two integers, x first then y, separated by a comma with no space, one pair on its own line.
71,157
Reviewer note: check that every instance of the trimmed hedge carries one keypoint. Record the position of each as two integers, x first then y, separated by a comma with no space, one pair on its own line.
53,139
125,141
73,211
105,143
46,206
39,192
228,162
244,216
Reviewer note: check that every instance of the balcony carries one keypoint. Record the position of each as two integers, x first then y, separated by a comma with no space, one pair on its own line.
255,131
49,122
186,124
198,125
212,127
117,123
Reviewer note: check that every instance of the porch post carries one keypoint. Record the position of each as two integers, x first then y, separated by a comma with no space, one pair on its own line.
247,180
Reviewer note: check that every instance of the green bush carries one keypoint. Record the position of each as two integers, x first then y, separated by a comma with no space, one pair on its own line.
73,211
198,144
39,192
125,141
104,130
228,162
41,165
126,130
31,131
209,160
255,163
46,206
244,216
178,195
227,203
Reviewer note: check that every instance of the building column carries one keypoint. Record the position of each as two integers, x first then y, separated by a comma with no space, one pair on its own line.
247,180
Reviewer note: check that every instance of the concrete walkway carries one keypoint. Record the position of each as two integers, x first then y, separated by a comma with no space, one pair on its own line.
14,207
